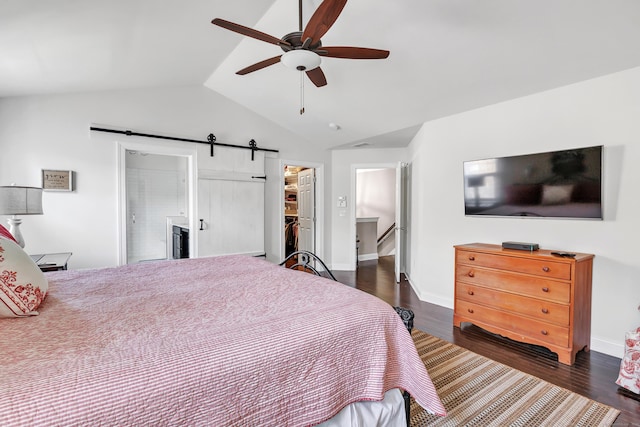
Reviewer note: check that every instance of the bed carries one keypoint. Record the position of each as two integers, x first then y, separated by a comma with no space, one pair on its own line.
222,341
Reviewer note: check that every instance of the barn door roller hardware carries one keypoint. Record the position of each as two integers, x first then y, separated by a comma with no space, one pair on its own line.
211,140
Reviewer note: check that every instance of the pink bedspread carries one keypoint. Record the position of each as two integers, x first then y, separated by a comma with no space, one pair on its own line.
220,341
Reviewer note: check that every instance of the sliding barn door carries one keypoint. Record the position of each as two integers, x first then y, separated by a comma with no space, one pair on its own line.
231,214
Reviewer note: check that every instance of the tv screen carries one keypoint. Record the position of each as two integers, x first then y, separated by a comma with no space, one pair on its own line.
557,184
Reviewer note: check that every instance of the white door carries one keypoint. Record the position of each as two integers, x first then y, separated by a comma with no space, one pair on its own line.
306,210
231,217
401,227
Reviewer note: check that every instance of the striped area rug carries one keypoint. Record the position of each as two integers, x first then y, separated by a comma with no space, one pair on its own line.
480,392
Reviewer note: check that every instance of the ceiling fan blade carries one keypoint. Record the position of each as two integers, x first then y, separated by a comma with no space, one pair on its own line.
349,52
322,19
249,32
317,77
259,65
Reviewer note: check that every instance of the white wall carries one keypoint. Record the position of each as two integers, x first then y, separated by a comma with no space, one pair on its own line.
344,164
52,132
603,111
376,196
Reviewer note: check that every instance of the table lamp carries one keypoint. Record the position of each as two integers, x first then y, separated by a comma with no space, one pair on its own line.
17,200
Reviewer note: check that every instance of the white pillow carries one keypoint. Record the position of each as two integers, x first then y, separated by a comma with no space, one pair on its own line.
556,194
23,286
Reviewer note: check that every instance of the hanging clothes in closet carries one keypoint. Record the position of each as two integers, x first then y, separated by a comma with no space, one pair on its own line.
291,234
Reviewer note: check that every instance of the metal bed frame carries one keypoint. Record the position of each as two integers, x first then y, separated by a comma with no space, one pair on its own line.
311,263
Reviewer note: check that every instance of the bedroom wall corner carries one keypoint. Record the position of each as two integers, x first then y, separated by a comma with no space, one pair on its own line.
601,111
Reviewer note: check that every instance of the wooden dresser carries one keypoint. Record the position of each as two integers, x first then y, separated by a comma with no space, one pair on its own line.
532,297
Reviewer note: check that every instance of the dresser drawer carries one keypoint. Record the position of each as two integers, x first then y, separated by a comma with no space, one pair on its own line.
533,297
549,290
546,311
544,268
538,330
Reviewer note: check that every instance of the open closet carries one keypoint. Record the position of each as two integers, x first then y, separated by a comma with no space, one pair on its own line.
299,209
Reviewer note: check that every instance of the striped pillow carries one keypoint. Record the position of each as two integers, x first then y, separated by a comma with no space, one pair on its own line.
23,286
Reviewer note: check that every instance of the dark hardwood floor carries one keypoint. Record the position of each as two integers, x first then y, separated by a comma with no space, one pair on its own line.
593,375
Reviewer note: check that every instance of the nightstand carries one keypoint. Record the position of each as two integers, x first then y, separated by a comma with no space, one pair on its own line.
52,262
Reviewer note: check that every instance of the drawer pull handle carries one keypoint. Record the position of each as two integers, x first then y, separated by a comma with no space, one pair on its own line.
543,332
471,274
545,311
470,292
545,289
470,310
472,258
546,269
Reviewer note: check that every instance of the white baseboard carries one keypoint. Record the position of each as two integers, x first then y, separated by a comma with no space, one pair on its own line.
607,347
431,298
341,267
368,257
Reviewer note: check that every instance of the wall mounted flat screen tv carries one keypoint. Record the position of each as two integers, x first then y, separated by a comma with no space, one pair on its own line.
557,184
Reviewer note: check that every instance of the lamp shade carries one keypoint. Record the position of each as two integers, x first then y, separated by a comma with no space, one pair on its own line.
300,59
17,200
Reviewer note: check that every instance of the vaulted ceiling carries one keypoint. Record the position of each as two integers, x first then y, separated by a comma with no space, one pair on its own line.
447,56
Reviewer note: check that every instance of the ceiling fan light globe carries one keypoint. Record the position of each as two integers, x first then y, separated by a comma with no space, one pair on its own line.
302,60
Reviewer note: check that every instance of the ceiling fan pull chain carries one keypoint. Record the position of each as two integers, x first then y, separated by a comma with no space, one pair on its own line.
301,92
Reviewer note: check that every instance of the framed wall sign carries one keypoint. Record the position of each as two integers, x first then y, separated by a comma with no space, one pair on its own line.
57,180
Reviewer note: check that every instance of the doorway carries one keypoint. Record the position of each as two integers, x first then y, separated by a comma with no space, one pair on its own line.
299,209
155,191
375,213
275,207
379,223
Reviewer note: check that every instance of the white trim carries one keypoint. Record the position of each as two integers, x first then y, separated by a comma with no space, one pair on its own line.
367,257
430,298
319,200
372,219
607,347
351,238
167,150
228,176
340,267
